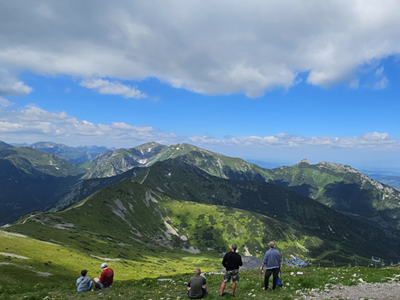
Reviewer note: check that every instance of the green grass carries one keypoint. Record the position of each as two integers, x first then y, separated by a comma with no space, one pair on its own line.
172,287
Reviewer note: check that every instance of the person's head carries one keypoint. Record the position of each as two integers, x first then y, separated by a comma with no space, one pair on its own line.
234,247
103,265
198,271
83,273
271,244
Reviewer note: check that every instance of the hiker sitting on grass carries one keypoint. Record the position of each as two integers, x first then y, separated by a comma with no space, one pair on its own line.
83,283
106,277
197,286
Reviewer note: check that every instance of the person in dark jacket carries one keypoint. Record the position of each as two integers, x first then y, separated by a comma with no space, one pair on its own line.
196,287
83,283
272,263
231,261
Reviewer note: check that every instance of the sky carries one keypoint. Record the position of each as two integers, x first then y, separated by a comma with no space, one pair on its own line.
274,81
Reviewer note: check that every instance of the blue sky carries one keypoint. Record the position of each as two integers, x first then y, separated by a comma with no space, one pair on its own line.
275,82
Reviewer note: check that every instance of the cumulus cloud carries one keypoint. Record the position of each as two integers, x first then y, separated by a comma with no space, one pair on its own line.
5,103
219,47
375,141
33,123
11,86
106,87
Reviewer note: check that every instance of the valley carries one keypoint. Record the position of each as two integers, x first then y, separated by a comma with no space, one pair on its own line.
154,210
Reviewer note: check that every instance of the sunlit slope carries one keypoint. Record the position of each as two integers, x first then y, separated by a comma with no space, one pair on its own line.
134,227
116,162
111,163
302,213
337,186
30,161
344,189
213,163
28,261
128,213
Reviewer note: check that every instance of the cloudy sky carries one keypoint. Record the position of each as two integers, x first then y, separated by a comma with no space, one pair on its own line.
275,81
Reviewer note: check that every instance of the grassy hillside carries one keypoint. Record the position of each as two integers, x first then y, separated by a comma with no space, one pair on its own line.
165,223
346,235
30,160
33,280
139,232
31,180
337,186
213,163
111,163
128,213
5,145
343,189
327,234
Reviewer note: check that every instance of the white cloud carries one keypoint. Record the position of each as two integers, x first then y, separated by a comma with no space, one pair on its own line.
5,103
106,87
220,47
10,86
32,124
376,141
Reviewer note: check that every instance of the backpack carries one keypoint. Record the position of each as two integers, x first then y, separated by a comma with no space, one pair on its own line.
279,281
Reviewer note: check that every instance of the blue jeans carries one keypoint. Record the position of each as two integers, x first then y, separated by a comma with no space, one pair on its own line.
102,286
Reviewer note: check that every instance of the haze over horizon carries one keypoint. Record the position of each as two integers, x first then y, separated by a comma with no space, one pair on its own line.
275,82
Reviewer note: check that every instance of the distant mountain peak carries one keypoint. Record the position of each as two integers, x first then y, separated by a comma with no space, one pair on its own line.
336,166
304,161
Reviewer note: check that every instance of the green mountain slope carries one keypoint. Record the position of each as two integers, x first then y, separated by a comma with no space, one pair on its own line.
88,187
337,186
310,217
343,189
111,163
213,163
133,226
31,180
5,146
208,214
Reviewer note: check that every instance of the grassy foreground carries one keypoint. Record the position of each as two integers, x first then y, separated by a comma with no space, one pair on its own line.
174,287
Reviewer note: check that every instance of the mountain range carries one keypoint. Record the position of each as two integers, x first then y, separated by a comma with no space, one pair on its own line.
184,198
72,154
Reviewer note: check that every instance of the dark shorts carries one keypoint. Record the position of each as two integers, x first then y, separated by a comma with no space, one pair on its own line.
234,274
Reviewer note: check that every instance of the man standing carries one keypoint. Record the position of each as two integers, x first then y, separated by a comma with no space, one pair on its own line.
232,261
106,277
197,286
272,263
